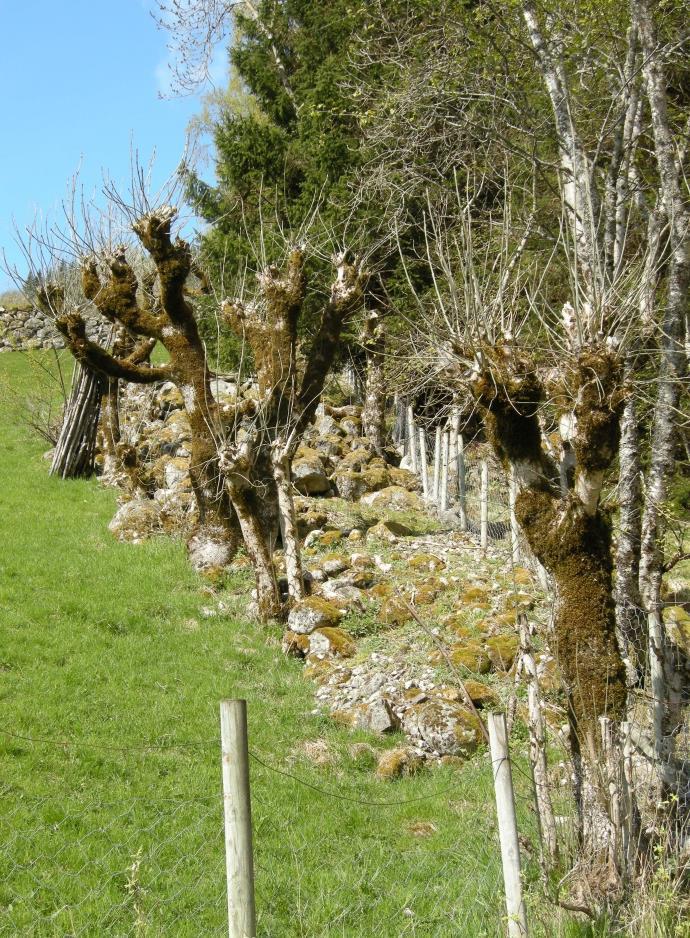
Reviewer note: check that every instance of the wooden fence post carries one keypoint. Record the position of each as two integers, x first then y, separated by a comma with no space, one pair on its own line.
507,825
462,482
454,431
411,435
537,744
445,459
514,527
437,465
424,464
484,506
238,819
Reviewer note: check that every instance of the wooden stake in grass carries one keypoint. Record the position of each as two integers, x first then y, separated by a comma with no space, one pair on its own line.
462,482
537,745
437,465
445,459
238,819
484,506
514,529
411,438
424,464
507,825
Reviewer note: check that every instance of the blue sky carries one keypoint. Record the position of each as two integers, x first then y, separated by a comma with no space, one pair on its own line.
79,84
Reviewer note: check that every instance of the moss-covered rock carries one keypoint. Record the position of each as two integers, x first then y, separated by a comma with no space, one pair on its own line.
395,763
313,613
426,562
447,728
502,650
394,611
473,657
331,642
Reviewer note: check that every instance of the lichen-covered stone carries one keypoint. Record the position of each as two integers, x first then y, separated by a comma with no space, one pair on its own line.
394,763
473,657
393,498
394,611
502,651
446,728
313,613
331,642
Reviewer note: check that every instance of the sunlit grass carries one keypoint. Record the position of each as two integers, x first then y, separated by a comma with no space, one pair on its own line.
110,678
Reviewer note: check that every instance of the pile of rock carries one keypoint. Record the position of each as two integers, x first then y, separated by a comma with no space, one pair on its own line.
24,329
333,460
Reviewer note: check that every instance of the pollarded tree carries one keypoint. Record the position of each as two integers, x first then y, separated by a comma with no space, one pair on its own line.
263,445
110,283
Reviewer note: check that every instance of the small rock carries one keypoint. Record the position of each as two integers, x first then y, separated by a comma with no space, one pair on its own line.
398,762
313,613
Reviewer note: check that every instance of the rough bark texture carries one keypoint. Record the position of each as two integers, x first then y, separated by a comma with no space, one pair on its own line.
373,341
570,535
257,461
668,695
76,446
111,284
630,622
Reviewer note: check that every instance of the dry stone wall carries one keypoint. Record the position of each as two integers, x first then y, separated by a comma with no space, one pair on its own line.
23,329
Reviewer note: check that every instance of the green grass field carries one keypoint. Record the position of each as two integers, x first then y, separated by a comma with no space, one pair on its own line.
111,815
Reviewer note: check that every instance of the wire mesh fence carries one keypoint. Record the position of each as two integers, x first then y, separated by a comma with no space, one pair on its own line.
76,863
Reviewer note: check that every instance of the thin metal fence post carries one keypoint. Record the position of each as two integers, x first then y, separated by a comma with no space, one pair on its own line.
238,819
507,825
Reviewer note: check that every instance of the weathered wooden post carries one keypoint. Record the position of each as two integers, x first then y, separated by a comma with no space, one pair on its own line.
412,437
514,527
507,825
462,481
424,464
437,466
484,506
445,459
454,431
537,744
239,860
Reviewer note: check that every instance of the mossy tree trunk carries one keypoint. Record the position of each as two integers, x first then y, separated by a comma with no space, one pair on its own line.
262,452
113,287
569,534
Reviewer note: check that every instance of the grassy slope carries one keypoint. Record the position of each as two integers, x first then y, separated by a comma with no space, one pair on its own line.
103,646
